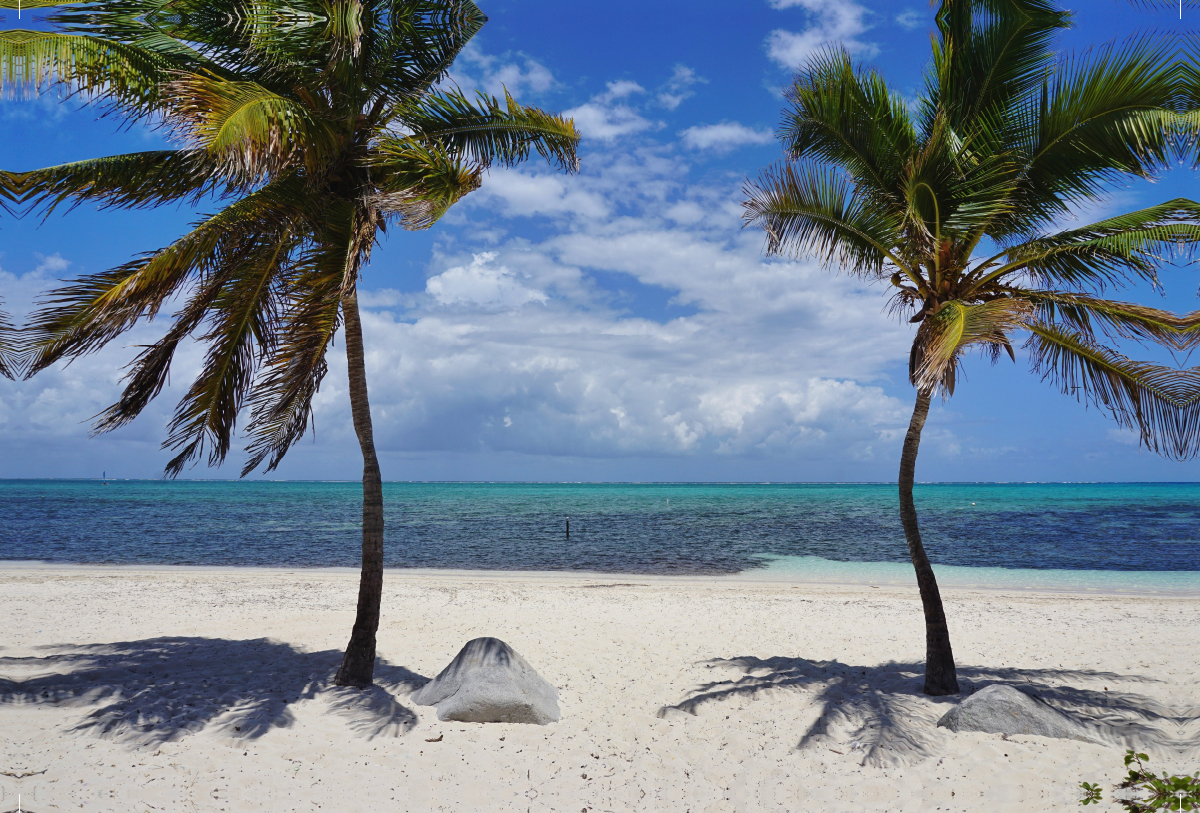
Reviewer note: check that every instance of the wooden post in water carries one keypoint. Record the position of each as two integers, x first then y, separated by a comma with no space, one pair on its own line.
568,527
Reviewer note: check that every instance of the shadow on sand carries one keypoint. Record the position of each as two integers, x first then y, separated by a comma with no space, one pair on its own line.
882,711
158,689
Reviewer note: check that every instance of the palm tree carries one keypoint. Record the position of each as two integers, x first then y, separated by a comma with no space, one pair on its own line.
957,201
319,123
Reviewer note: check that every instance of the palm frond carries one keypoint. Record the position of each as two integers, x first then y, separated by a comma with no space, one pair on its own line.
411,54
1088,316
135,180
1101,117
1108,252
157,26
1156,401
418,183
83,316
243,320
24,4
249,130
987,55
11,347
851,119
11,190
148,373
281,400
486,132
127,77
808,210
956,327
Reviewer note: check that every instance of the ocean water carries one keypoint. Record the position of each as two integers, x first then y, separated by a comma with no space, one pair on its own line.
1131,536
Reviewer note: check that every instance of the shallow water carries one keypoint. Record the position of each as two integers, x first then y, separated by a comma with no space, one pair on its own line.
642,528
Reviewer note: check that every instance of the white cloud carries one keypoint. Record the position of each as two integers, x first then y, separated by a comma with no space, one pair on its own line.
620,89
910,20
520,74
605,117
834,22
481,284
527,194
52,264
678,87
759,358
535,338
724,136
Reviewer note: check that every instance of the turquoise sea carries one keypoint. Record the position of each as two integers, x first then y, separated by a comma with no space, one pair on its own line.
1143,536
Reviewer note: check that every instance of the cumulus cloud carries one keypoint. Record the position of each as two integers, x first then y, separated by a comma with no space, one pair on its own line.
834,22
910,19
481,284
724,136
608,116
525,349
678,87
520,74
617,313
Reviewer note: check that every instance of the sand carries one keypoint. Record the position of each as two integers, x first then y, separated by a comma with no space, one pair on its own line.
185,689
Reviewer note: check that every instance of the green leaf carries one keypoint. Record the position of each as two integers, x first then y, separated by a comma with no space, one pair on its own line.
486,132
126,76
1159,402
956,327
807,210
135,181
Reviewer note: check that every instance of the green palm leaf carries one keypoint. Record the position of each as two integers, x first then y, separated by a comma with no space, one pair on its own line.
806,209
127,77
85,315
955,328
136,180
1109,252
1102,117
1094,319
1156,401
486,132
247,129
852,119
417,183
281,401
11,350
242,322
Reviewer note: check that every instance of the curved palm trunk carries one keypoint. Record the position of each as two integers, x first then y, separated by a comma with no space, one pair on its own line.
358,664
940,675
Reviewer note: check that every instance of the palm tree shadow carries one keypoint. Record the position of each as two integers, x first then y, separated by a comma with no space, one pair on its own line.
158,689
882,711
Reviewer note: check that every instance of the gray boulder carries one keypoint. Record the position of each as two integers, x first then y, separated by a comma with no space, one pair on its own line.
1001,709
488,682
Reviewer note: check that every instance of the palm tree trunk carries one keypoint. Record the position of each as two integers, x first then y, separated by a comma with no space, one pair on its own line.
940,675
358,664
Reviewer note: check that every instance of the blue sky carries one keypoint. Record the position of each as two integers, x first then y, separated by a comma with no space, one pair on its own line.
612,325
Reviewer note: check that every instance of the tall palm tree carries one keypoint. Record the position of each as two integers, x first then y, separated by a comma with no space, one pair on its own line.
957,201
319,123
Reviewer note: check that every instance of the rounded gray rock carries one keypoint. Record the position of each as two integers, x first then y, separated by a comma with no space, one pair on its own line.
488,682
1002,709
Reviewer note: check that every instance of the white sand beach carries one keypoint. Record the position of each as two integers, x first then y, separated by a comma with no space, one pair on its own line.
208,689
